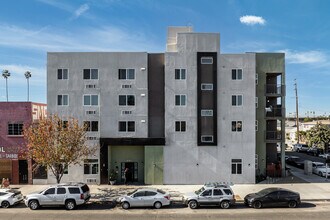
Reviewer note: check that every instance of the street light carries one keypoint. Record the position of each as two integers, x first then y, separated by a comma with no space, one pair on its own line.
6,74
27,75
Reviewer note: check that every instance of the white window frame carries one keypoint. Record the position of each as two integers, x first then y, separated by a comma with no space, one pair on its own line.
62,99
90,73
236,163
257,102
208,136
181,74
62,73
181,95
207,86
206,58
235,129
181,122
207,112
257,125
90,99
126,104
90,164
236,74
126,76
236,95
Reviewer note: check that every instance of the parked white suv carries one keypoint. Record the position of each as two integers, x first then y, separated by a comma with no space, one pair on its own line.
210,194
300,147
67,194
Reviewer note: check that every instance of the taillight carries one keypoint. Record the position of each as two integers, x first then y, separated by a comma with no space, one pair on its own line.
82,196
167,197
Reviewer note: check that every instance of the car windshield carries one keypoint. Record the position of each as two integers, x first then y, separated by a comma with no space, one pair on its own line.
130,193
264,192
199,191
161,191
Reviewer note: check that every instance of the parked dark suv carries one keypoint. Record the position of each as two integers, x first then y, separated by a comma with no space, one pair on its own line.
67,194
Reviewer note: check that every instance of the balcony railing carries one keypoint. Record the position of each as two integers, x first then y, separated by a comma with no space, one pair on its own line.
275,112
273,135
274,89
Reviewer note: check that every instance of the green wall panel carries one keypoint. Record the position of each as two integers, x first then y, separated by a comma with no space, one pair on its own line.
154,165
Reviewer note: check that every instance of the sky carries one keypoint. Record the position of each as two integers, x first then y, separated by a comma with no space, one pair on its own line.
300,28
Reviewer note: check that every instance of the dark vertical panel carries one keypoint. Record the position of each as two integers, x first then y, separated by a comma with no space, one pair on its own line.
104,163
156,96
207,73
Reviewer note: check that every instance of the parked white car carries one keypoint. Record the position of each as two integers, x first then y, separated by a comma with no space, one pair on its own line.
145,197
324,155
9,197
322,170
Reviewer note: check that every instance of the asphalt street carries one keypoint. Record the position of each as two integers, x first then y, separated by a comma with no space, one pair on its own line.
307,210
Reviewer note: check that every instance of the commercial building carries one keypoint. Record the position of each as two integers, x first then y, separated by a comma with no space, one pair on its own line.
13,117
186,116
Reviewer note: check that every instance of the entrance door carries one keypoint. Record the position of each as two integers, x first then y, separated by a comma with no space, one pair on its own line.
23,171
131,171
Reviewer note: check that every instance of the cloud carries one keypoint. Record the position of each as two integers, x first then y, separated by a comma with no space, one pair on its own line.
81,10
252,20
304,57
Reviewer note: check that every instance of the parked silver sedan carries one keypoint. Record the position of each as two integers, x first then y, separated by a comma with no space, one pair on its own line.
145,197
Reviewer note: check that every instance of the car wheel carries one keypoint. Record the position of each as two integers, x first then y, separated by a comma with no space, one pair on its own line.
224,204
70,204
193,204
158,205
5,204
320,173
257,205
33,204
125,205
292,204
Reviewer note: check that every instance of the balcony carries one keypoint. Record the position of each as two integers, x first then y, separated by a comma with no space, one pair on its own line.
275,136
277,112
274,90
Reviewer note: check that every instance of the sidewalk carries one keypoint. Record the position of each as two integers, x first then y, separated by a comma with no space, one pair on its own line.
311,188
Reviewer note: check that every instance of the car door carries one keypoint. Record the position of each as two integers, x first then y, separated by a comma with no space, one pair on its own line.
205,198
137,199
150,198
60,196
283,198
271,199
48,197
217,196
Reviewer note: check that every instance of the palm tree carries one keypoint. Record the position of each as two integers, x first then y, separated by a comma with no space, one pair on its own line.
6,74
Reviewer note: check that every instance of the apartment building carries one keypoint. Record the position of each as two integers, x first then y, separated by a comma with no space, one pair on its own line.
13,117
186,116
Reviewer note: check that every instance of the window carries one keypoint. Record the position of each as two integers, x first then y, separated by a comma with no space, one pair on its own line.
207,192
207,86
61,191
207,112
236,126
257,102
91,100
91,125
236,166
236,74
180,126
236,100
149,193
257,79
63,100
126,74
207,138
180,100
50,191
91,74
127,126
180,74
127,100
74,190
217,192
207,60
91,166
15,128
139,194
228,192
62,73
256,125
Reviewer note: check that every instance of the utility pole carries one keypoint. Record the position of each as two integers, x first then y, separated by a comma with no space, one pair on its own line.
297,114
